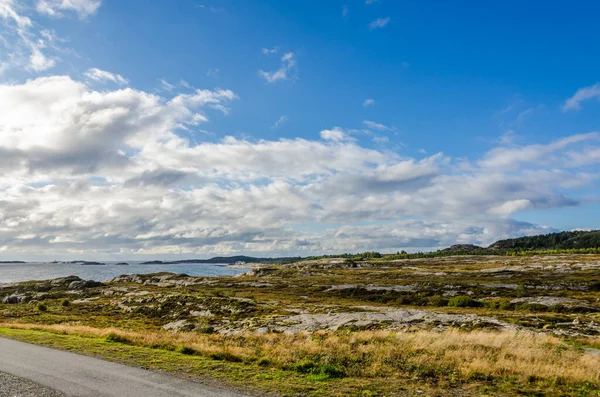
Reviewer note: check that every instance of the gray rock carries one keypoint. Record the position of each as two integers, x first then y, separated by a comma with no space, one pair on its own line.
64,281
83,284
201,313
397,318
15,298
372,287
181,325
552,301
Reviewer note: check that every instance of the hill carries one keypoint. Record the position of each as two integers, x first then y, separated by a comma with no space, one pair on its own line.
563,240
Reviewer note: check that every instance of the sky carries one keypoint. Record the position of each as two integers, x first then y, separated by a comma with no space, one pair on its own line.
133,129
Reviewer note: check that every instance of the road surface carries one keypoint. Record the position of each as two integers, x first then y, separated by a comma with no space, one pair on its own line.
81,376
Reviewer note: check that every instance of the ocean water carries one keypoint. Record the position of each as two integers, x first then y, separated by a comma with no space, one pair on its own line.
14,272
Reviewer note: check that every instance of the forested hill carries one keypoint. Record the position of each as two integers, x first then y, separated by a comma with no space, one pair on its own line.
562,240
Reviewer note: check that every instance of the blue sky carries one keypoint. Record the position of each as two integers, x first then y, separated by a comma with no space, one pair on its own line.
400,125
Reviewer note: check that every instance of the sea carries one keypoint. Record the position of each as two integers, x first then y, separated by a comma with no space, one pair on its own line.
15,272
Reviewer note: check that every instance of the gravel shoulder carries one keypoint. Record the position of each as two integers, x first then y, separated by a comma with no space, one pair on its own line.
12,386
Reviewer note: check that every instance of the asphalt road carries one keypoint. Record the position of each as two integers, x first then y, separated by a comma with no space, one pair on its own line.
81,376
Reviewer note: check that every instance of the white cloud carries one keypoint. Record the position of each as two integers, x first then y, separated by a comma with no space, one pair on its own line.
334,134
369,102
288,65
8,11
165,85
112,174
510,207
38,61
210,8
270,51
82,8
582,94
69,128
280,121
376,126
212,73
31,46
367,2
379,23
539,155
345,10
103,76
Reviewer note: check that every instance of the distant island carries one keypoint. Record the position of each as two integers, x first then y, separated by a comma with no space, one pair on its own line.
13,262
87,263
226,259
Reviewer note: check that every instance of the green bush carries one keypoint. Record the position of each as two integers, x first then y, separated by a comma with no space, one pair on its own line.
65,302
42,307
490,304
522,291
438,300
463,301
319,370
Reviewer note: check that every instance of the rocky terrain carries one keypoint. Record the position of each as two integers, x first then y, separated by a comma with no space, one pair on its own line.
552,295
546,294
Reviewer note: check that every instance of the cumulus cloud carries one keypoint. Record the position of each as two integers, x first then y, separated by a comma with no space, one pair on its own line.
582,94
103,76
288,66
334,134
112,174
71,129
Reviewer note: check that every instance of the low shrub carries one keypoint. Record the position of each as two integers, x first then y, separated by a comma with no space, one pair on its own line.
463,301
115,337
438,300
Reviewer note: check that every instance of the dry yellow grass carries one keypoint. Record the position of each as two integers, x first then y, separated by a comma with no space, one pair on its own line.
371,354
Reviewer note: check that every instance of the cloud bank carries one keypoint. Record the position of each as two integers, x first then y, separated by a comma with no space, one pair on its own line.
112,173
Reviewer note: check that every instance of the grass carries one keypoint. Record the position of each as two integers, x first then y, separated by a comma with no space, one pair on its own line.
123,322
433,360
